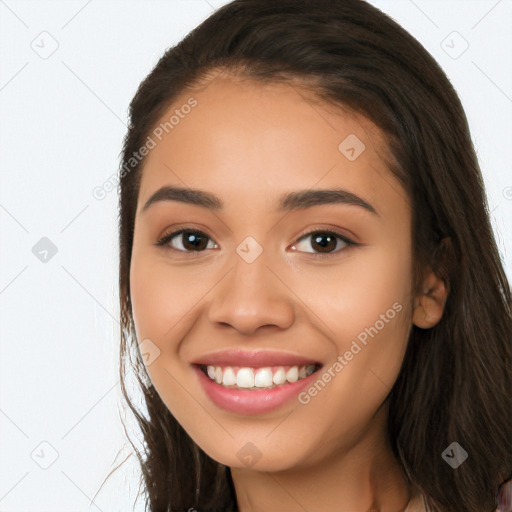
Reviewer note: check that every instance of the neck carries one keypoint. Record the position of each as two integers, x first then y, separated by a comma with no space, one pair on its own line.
361,478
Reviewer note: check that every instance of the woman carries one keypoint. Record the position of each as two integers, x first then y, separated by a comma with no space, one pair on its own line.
312,299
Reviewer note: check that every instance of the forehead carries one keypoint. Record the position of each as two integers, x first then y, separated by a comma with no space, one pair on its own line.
254,141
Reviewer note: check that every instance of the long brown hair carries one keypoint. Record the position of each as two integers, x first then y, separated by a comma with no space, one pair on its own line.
456,380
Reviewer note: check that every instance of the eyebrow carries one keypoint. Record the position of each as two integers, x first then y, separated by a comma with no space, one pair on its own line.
288,202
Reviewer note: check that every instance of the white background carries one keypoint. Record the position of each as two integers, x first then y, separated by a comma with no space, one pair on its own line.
62,120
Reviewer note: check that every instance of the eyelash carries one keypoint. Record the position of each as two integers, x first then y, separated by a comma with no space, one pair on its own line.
165,239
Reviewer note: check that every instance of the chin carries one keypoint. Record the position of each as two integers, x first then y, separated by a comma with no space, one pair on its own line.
258,457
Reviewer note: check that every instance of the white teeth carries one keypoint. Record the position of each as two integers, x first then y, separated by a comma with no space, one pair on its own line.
244,377
292,375
279,377
252,378
229,377
263,378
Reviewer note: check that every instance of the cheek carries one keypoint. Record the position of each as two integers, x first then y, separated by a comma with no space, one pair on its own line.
351,295
361,306
365,323
162,297
161,302
165,304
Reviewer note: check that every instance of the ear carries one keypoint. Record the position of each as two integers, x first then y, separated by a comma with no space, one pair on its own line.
429,305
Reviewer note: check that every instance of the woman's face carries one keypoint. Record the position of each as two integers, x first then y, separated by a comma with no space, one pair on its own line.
263,276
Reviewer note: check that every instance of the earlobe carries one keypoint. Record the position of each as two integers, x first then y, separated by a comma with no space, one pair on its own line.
429,305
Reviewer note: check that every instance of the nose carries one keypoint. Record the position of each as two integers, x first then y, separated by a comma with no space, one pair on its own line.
251,296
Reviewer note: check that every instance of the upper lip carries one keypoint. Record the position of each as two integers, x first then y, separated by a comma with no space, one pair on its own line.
253,358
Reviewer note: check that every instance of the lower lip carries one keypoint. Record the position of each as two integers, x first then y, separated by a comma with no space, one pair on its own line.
251,401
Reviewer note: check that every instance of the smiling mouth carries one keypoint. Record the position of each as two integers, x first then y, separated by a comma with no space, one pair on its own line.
249,378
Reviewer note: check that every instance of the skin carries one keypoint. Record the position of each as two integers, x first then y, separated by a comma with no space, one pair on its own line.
248,143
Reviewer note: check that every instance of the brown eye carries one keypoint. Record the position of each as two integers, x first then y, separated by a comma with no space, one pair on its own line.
323,242
186,240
